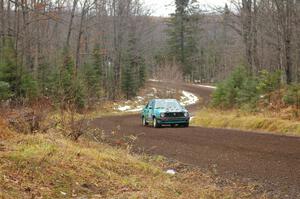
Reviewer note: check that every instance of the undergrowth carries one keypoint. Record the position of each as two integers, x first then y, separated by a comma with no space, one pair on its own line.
50,166
238,119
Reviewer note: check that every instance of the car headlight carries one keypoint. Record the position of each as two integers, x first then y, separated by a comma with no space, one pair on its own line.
186,114
162,115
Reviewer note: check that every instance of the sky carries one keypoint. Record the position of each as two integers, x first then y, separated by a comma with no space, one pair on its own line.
165,7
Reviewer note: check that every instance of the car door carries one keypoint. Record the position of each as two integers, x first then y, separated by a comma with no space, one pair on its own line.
145,111
150,110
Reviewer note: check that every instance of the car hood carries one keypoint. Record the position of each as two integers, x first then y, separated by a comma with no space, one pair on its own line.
170,110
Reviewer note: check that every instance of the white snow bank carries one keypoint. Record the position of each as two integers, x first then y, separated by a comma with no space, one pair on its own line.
124,108
137,104
137,109
139,98
154,80
188,98
205,86
129,108
171,172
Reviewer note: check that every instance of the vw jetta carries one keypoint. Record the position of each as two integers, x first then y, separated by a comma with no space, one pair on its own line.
160,112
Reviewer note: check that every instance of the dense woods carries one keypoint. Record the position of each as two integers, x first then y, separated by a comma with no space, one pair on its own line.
258,34
73,50
84,51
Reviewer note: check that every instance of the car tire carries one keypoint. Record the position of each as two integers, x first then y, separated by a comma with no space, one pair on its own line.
186,125
155,124
144,122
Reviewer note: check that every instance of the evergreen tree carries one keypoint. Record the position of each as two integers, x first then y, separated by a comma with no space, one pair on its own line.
133,70
5,92
44,77
71,91
142,72
181,35
9,70
128,83
94,74
15,79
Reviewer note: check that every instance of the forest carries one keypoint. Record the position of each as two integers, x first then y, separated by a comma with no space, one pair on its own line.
82,52
78,79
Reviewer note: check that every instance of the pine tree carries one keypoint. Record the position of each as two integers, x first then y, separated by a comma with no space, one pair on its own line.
181,35
133,70
20,82
142,73
93,73
71,91
128,83
9,70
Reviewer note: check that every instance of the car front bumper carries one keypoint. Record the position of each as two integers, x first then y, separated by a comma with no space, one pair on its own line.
173,120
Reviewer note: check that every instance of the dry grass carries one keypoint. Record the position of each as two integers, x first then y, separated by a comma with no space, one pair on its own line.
49,166
5,132
246,121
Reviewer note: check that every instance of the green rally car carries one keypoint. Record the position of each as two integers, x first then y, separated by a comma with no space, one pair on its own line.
160,112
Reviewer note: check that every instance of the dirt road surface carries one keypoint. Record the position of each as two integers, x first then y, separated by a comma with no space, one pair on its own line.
269,159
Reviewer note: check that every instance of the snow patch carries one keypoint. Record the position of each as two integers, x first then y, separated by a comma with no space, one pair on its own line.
139,98
171,172
154,90
137,109
205,86
188,98
124,108
154,80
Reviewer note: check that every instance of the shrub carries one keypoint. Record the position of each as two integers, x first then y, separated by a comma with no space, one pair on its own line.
247,95
238,89
29,87
241,89
269,82
292,95
79,95
5,92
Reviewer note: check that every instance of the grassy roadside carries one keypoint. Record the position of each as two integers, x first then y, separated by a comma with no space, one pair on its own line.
49,166
236,119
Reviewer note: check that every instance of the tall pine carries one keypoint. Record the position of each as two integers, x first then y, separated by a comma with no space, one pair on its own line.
181,36
93,73
134,68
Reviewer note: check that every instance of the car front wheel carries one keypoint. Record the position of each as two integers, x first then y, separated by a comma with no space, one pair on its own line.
144,122
155,124
186,125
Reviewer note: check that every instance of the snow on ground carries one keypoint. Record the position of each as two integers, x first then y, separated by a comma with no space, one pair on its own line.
154,80
171,172
124,108
138,103
140,99
205,86
188,98
135,105
137,109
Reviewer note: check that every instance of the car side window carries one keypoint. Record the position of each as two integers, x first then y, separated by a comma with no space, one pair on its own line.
150,104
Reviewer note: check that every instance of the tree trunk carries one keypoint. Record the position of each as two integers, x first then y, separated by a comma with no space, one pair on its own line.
83,13
71,23
288,46
255,60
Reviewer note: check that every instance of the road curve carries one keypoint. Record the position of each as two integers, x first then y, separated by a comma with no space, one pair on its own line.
269,159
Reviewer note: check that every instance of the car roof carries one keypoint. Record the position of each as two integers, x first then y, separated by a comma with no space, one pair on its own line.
173,100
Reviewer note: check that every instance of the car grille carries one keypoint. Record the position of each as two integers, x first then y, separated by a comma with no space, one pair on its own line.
172,115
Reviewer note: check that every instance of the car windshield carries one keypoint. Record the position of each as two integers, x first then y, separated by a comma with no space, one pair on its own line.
167,104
